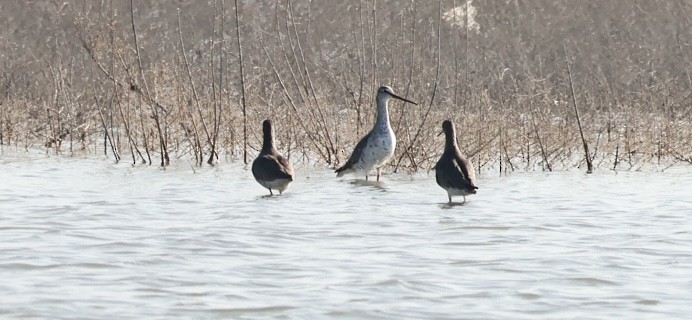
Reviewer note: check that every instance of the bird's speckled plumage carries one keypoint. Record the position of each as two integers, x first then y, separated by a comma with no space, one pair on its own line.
270,168
453,172
377,147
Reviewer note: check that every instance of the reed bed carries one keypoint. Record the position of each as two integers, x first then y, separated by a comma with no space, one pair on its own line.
545,85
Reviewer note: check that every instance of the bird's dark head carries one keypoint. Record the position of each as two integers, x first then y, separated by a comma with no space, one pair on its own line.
448,130
267,124
448,127
267,127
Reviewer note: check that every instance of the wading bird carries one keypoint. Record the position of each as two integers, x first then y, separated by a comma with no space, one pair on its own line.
377,147
271,169
453,172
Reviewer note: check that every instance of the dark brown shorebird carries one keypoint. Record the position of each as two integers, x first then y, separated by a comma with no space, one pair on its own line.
271,169
377,147
453,172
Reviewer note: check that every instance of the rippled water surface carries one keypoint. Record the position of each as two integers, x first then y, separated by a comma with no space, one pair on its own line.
89,239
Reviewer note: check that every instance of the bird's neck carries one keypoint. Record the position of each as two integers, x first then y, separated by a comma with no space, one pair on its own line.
451,142
268,143
382,114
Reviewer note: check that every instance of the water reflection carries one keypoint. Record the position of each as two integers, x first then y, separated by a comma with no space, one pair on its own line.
452,205
88,239
369,183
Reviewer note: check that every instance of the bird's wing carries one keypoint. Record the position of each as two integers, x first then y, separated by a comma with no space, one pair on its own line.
286,165
447,172
356,154
466,169
272,167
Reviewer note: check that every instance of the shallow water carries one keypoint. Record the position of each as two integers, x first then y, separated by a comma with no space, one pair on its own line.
89,239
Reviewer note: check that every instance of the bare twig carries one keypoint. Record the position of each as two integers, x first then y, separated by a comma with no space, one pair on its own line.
423,122
242,82
195,97
587,155
165,160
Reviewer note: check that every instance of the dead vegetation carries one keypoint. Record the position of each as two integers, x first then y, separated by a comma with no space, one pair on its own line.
541,85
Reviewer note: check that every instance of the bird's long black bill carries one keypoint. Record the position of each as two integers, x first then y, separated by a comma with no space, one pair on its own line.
403,99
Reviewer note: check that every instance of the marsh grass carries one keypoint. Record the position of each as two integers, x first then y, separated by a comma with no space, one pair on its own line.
553,86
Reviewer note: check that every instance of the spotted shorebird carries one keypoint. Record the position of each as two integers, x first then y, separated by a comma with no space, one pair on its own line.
453,172
377,147
271,169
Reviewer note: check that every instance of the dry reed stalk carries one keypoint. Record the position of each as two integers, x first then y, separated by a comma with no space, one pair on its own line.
310,89
195,97
432,97
134,150
538,135
144,137
373,47
218,112
587,155
3,116
361,70
215,98
403,111
108,135
313,139
643,97
165,160
298,78
295,58
242,82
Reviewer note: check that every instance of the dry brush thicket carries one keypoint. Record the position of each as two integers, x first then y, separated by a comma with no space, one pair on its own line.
531,85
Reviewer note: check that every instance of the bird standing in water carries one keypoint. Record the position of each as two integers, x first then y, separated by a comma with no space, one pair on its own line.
453,172
377,147
271,169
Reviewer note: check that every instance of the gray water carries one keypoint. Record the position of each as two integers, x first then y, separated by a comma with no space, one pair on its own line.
89,239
